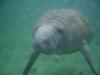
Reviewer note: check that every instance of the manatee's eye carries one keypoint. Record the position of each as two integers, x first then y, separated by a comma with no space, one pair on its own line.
60,31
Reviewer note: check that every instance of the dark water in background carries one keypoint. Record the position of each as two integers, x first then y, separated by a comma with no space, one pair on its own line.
17,18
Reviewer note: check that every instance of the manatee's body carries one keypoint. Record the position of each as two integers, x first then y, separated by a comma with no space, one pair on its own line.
61,32
72,27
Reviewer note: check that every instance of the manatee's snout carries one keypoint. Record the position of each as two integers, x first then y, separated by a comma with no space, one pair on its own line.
44,38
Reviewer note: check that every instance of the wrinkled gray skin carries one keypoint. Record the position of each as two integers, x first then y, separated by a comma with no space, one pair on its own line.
60,32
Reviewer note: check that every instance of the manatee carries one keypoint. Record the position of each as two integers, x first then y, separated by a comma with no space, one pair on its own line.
62,31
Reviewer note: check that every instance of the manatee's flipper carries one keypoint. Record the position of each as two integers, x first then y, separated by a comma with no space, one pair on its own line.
31,61
86,52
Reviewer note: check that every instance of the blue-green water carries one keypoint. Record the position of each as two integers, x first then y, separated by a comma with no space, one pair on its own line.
17,18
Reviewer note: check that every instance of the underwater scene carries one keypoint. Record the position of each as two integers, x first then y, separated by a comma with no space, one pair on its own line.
18,19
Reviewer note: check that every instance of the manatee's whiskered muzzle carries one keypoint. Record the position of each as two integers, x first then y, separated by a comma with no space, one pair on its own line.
46,38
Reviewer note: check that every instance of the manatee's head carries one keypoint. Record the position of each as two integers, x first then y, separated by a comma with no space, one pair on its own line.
45,39
49,38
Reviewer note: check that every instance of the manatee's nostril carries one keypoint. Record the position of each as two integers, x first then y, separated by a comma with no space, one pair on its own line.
45,41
